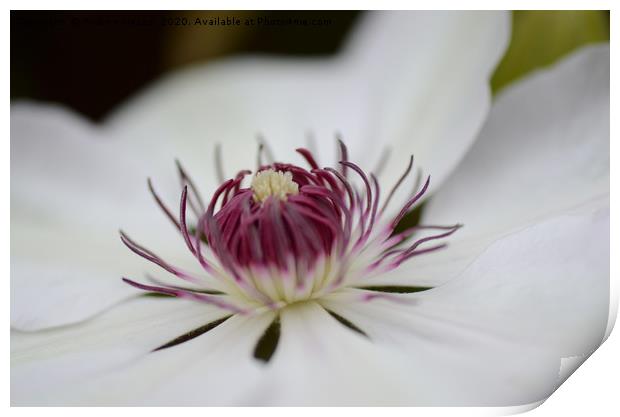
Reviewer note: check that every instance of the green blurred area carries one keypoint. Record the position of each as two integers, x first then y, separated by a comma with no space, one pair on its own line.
540,37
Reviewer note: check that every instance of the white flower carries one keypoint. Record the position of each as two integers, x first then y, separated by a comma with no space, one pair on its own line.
522,285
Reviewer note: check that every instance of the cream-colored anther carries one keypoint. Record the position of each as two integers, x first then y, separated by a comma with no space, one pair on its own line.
273,183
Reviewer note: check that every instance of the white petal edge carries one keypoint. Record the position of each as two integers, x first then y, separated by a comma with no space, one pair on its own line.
220,362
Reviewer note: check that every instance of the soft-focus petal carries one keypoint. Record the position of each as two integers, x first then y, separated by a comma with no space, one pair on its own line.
495,335
215,368
319,361
63,166
61,276
427,74
230,103
71,190
47,367
394,84
543,150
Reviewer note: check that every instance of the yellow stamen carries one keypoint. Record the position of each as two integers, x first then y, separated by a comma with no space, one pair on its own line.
273,183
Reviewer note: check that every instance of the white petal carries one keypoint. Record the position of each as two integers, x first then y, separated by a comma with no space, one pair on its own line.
548,284
47,367
495,335
434,268
428,79
543,150
68,166
229,103
320,362
399,89
452,363
72,188
317,362
216,368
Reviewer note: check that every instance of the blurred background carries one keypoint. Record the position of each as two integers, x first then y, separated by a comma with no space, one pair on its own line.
92,61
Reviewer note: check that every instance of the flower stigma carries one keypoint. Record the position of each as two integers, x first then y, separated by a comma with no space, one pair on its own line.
295,234
273,183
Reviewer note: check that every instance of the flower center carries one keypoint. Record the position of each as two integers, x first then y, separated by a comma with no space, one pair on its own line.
269,183
294,234
286,220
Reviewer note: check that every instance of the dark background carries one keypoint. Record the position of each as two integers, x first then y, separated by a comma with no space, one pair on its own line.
93,60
